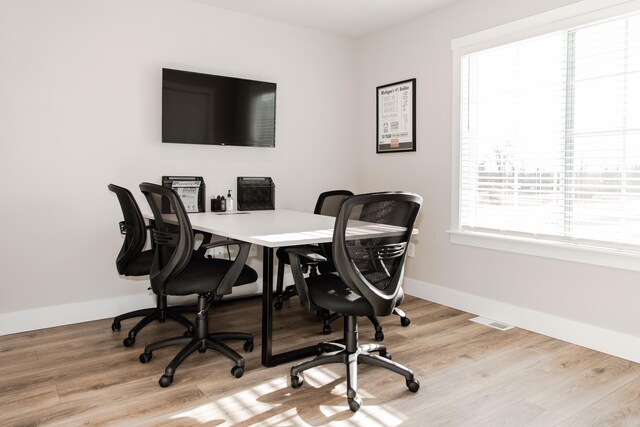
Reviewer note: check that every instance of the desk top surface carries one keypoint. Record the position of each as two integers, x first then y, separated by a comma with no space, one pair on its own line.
270,228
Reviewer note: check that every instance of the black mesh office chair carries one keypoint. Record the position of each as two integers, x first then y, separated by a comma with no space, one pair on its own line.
370,241
177,271
133,260
327,204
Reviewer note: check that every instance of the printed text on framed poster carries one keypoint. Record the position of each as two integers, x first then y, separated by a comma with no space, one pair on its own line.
396,117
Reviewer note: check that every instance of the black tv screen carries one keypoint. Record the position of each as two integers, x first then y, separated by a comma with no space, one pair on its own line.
217,110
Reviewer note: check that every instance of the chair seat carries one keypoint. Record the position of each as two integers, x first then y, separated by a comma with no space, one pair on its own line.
140,265
330,292
204,275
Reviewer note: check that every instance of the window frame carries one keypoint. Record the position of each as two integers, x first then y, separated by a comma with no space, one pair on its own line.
575,14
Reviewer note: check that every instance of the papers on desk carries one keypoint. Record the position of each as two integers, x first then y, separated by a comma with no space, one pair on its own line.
188,191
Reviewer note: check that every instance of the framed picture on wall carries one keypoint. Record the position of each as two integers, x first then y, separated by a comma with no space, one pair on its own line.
396,117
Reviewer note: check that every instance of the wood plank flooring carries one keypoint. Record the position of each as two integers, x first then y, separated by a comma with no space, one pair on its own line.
471,375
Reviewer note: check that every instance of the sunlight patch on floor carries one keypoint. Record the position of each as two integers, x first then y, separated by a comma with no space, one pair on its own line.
274,402
320,376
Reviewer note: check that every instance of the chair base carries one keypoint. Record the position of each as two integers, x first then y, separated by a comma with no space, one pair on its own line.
160,313
201,341
289,291
379,334
350,353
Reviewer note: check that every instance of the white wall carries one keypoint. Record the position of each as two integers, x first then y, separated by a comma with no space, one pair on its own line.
80,92
80,105
478,280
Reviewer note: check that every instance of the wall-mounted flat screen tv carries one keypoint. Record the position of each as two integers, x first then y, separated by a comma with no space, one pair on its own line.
217,110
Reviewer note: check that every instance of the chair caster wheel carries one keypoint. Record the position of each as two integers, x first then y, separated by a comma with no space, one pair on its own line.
188,332
379,336
386,355
278,305
202,350
248,346
165,381
405,321
296,381
115,326
237,371
354,403
128,342
413,385
326,329
145,358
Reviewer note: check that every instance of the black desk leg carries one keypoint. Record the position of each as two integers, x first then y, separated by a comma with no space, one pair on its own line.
269,359
267,305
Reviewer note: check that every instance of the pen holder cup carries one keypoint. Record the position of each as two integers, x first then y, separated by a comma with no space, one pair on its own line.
218,205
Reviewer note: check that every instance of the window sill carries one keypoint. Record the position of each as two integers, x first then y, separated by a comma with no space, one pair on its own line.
564,251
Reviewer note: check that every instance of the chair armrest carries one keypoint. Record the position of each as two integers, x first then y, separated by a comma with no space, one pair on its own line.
206,239
227,242
304,253
298,276
238,264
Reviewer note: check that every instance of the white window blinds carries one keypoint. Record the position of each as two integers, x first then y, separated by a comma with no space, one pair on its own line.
550,136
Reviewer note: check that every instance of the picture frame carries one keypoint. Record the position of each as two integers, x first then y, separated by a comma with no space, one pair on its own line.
396,117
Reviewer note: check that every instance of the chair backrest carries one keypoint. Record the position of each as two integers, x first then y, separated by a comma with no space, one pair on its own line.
370,240
172,234
329,204
133,228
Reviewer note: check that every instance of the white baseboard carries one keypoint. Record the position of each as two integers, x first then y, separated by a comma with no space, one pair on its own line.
86,311
67,314
603,340
606,341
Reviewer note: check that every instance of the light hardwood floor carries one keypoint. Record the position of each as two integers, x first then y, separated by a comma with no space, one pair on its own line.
471,375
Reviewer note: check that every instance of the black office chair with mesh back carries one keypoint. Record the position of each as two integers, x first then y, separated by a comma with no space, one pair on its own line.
370,241
176,270
328,204
133,260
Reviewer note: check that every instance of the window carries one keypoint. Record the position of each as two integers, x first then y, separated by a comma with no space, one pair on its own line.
549,137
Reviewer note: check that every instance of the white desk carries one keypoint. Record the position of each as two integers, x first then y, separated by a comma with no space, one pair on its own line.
272,229
269,229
